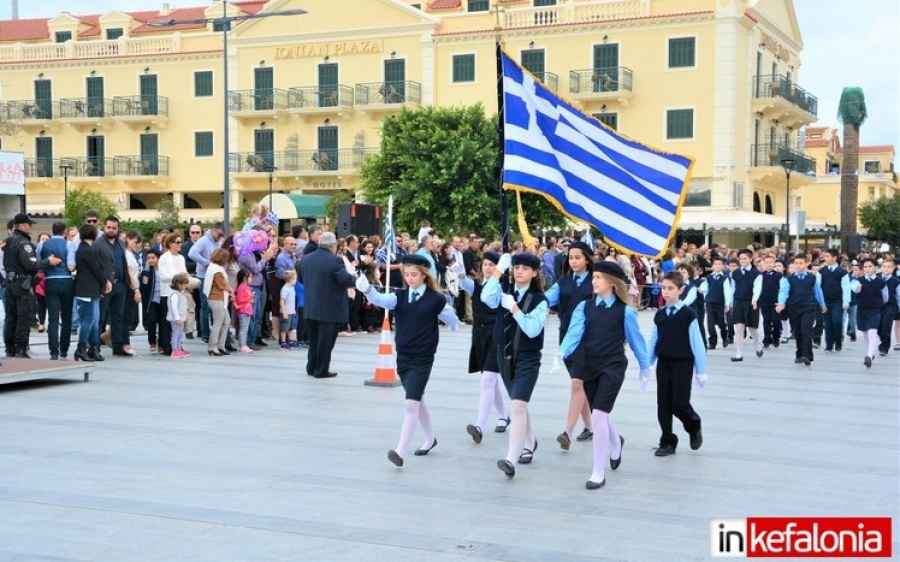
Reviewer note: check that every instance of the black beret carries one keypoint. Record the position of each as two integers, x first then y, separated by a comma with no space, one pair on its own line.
416,259
491,256
610,268
526,259
581,246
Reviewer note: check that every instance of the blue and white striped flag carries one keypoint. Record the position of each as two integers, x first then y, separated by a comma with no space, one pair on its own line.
630,192
390,241
588,239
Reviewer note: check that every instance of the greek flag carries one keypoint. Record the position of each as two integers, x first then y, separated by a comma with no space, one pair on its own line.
630,192
588,239
390,241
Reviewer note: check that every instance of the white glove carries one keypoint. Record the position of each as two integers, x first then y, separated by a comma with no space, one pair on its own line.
504,263
507,301
701,379
557,363
643,378
362,284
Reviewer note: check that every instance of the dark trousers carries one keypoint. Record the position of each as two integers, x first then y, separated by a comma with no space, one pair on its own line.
884,328
818,325
152,321
802,322
833,319
165,327
771,323
301,326
700,309
729,323
20,311
673,398
322,337
59,295
112,313
356,307
715,318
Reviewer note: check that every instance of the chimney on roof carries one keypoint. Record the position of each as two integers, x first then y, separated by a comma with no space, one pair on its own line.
165,9
15,9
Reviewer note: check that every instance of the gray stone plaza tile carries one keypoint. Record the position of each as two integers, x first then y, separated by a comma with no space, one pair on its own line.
245,458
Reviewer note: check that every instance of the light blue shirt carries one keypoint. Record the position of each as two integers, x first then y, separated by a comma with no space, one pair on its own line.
389,302
531,323
552,293
784,289
727,287
697,346
70,253
632,332
690,295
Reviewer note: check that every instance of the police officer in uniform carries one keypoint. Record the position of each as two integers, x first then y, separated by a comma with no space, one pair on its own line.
21,266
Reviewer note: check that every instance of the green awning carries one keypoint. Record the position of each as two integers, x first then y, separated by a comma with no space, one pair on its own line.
297,206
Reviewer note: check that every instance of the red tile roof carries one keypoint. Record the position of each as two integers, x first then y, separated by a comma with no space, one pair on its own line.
873,149
37,29
444,5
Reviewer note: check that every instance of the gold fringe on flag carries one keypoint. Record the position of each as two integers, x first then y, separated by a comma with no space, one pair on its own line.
527,239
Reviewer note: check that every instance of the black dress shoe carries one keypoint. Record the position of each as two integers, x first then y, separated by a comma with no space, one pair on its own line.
423,452
528,454
591,485
327,376
697,440
585,435
122,353
224,351
395,458
736,359
502,428
231,348
805,360
613,463
867,362
475,432
759,353
507,467
665,451
564,441
54,358
22,354
189,335
797,361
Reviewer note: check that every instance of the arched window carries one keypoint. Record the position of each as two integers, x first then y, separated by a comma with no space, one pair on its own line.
191,203
769,210
137,203
757,207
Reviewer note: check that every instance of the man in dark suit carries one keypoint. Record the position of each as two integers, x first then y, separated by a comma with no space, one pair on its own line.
327,309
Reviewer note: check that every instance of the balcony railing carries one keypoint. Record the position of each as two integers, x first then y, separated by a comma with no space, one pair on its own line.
336,95
137,46
135,106
88,166
389,92
85,108
310,160
549,79
773,154
23,110
42,167
775,86
145,165
260,99
574,12
600,80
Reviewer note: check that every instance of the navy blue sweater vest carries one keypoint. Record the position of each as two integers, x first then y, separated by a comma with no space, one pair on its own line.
673,340
743,283
892,283
417,323
482,314
870,293
715,288
604,329
803,292
771,281
507,324
831,283
570,295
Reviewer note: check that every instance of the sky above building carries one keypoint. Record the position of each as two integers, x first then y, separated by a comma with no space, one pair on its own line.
843,46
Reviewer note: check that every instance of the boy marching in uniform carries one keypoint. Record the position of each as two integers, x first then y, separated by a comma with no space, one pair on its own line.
801,292
717,291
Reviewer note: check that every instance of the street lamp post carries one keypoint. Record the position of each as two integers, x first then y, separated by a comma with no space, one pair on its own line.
224,23
64,168
788,165
270,171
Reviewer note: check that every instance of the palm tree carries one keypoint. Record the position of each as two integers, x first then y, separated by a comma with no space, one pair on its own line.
852,113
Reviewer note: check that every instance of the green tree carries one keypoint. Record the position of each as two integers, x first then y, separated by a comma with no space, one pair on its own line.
881,217
331,208
81,200
148,229
440,164
168,213
852,113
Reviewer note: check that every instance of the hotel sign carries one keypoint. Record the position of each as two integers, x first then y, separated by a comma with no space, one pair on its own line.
776,47
335,48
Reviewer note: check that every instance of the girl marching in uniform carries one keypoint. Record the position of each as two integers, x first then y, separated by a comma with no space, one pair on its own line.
600,327
573,287
871,294
417,309
483,353
519,335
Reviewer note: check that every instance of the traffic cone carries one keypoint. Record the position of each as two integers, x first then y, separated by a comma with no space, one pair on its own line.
385,369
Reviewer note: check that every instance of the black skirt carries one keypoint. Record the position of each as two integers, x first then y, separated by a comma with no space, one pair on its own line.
483,353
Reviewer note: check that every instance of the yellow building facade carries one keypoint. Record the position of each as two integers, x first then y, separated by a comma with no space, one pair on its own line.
138,111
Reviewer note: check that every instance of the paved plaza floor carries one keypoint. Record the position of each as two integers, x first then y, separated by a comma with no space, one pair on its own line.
245,458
